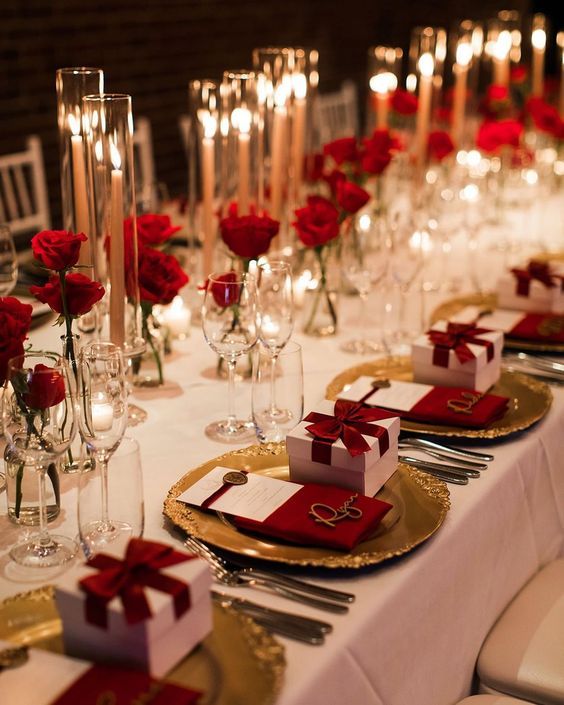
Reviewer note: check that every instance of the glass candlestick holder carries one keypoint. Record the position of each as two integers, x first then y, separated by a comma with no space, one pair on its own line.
384,71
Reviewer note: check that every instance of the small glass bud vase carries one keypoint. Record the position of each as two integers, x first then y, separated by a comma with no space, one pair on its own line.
148,368
22,490
321,297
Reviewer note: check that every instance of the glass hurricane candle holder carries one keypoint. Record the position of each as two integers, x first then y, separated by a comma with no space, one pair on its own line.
463,45
109,136
384,70
433,41
275,67
239,122
538,33
204,149
503,45
72,85
305,79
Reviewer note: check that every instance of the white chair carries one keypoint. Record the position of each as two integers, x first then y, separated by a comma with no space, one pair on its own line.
336,114
145,177
24,204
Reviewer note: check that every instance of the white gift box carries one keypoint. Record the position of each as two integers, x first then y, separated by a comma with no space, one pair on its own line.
478,373
539,299
365,473
155,644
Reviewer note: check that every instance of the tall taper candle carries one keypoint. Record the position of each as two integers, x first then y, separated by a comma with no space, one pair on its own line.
426,67
244,160
298,133
464,55
538,40
278,152
117,265
208,188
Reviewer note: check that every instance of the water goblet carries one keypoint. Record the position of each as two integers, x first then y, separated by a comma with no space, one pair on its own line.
229,313
364,264
103,420
275,318
8,261
38,412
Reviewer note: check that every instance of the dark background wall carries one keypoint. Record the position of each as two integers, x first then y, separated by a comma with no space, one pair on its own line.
152,48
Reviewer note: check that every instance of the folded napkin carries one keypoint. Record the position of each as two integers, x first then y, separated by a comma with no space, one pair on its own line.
539,327
322,515
121,686
447,406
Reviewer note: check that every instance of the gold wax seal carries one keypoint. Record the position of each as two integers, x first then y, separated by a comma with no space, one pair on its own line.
380,383
13,657
235,477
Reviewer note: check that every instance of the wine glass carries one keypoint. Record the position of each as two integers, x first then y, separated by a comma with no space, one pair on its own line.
364,264
8,261
275,318
229,323
103,420
38,411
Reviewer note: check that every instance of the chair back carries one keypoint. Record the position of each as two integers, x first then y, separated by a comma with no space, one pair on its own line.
24,204
146,191
337,113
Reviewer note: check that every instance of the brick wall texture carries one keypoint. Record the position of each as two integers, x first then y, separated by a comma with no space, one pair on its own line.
152,48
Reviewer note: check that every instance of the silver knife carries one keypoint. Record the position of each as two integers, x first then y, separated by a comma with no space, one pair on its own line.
454,469
455,452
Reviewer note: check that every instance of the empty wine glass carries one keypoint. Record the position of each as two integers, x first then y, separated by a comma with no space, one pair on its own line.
8,261
103,420
229,323
364,262
275,320
38,412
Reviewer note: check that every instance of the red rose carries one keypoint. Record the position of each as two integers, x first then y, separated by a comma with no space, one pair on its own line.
81,293
494,135
318,222
46,388
351,197
18,312
545,117
377,152
496,102
152,229
497,94
57,249
160,276
225,289
333,178
248,236
403,102
440,145
15,320
518,74
342,150
313,167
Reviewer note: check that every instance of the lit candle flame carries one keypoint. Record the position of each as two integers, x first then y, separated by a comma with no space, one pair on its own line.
426,65
280,97
503,45
241,119
300,86
74,124
210,125
538,39
115,156
464,54
383,82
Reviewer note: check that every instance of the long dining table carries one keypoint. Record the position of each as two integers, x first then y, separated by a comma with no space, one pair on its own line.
414,632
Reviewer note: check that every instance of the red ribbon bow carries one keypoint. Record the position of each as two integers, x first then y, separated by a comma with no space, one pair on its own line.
128,578
456,337
351,420
539,271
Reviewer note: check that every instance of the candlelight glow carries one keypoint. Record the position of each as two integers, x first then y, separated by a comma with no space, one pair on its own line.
464,54
99,151
426,65
300,86
210,125
502,46
280,97
115,155
74,124
383,82
411,82
241,120
538,39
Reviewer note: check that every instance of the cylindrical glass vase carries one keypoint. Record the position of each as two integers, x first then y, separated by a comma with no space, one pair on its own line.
22,489
204,160
72,85
109,135
384,72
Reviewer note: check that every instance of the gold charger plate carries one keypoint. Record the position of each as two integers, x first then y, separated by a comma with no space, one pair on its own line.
529,399
488,302
239,662
420,503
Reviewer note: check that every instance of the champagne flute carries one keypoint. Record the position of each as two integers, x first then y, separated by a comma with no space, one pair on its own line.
38,412
229,323
103,420
275,320
8,261
364,264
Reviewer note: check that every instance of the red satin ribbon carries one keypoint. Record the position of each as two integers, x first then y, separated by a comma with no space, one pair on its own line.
351,420
539,271
456,337
128,578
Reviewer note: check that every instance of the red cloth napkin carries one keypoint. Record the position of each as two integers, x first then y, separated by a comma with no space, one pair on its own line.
434,407
123,686
539,327
294,523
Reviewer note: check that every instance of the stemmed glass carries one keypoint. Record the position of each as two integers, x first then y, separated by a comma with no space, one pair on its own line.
8,261
103,420
275,320
229,323
38,412
364,263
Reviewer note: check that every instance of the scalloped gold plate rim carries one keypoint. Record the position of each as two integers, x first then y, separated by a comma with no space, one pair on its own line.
238,662
420,505
529,399
488,302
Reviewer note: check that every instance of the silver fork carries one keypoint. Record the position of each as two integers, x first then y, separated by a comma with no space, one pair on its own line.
234,578
460,462
451,450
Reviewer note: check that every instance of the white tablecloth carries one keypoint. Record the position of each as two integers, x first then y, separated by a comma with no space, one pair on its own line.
414,632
